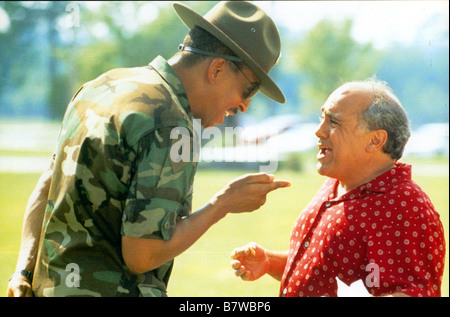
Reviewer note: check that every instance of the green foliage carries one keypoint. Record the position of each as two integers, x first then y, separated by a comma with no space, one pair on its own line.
35,56
45,60
122,48
420,80
328,56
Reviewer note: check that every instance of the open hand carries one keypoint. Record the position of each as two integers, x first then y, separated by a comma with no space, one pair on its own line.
250,262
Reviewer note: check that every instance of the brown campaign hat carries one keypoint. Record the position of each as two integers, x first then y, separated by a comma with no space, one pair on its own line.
248,31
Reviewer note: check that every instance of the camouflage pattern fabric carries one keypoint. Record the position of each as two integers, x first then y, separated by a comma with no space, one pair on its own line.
113,176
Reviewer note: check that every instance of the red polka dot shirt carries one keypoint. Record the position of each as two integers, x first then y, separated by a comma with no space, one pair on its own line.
385,232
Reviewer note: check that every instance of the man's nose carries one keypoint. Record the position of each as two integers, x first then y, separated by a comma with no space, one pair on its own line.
321,130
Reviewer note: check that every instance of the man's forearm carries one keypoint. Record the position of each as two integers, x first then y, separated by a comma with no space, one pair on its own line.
32,223
153,252
277,262
244,194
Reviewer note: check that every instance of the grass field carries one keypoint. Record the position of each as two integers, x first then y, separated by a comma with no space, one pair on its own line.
204,269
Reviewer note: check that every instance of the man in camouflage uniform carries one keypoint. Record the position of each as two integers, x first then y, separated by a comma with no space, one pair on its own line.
119,202
113,177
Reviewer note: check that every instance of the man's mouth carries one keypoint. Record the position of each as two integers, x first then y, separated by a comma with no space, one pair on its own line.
231,112
323,151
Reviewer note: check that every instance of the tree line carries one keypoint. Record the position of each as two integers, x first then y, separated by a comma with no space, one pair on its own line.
51,48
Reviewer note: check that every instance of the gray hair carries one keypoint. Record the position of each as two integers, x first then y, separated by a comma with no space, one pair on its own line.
387,113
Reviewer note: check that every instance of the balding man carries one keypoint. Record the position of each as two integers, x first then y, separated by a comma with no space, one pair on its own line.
369,220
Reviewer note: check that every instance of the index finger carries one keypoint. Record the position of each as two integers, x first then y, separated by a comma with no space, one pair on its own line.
277,184
259,178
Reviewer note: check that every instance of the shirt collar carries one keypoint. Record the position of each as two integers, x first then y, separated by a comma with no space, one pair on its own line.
396,175
381,184
160,65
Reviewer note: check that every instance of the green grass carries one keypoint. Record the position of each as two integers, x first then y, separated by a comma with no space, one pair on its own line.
14,192
204,269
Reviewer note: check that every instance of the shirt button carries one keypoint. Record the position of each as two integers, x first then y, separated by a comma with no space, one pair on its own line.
285,291
328,204
306,244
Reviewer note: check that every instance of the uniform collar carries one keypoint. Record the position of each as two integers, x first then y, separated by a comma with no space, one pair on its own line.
160,65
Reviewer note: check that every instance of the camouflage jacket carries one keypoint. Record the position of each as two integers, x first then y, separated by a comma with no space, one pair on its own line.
113,175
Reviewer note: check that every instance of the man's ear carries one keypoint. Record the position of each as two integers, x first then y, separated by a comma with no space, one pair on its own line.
216,69
377,141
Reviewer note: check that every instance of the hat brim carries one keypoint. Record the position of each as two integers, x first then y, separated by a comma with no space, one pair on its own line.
192,18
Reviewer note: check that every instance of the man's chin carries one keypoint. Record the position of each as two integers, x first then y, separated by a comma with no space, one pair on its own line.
321,170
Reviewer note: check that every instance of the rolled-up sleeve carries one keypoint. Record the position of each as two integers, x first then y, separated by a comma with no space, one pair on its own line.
160,190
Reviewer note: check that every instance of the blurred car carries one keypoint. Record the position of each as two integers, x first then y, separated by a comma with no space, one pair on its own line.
269,128
272,139
290,132
298,138
429,140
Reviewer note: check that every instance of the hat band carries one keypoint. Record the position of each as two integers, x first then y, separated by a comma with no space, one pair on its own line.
182,47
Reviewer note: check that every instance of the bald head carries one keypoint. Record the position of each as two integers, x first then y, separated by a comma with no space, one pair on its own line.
355,96
378,108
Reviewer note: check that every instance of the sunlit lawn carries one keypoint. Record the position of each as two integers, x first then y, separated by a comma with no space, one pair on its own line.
204,269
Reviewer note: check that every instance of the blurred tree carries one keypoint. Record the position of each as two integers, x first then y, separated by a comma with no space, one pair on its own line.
35,82
327,57
420,79
44,62
43,70
121,47
58,78
18,53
